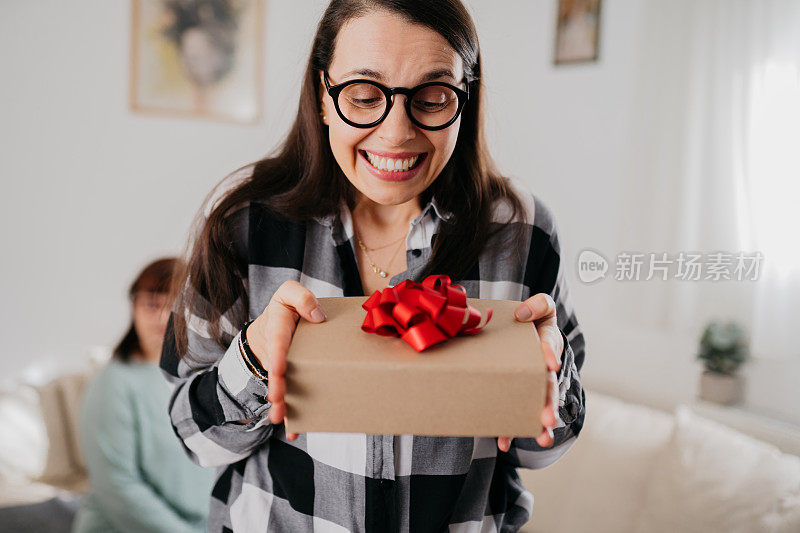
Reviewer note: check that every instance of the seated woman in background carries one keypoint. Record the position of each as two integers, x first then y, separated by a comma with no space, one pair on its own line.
140,478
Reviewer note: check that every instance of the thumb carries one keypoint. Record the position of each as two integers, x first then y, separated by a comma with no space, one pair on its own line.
294,296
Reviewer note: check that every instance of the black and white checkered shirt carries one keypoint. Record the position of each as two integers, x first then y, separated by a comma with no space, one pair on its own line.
337,482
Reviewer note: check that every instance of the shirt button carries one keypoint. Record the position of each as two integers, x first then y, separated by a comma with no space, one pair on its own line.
416,252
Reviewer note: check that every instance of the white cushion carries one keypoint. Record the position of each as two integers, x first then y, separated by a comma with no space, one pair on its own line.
39,420
712,478
23,447
598,484
72,388
60,467
60,406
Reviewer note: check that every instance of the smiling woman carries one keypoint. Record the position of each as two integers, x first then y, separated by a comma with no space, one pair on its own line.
386,154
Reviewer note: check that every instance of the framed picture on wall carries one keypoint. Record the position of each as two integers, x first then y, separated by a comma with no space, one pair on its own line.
577,31
197,58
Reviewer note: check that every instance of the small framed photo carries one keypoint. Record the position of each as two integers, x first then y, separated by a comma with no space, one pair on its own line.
577,31
197,58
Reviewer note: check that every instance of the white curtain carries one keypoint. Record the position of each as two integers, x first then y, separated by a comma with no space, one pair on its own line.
772,170
721,148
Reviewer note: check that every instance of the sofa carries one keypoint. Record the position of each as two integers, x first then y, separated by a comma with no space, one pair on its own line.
641,470
632,469
42,472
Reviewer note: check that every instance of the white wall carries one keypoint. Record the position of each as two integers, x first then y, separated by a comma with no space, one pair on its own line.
91,192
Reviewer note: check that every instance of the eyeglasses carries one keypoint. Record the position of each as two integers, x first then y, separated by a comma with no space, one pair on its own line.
365,103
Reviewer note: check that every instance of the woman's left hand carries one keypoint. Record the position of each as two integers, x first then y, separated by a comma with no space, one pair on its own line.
541,310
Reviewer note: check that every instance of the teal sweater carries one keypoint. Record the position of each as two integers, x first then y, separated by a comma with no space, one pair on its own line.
140,478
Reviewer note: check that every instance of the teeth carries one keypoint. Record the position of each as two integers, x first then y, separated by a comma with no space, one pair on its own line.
392,165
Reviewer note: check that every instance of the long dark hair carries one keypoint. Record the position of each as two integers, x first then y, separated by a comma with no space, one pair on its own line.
156,277
303,180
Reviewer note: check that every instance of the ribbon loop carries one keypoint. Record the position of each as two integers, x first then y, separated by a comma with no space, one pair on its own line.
422,314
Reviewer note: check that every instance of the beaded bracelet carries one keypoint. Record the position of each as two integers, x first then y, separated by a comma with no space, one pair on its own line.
249,357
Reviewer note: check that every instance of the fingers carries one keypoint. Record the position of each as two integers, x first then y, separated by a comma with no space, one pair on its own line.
289,302
545,440
276,391
550,359
504,443
293,295
277,412
536,307
552,343
541,309
272,331
279,330
549,413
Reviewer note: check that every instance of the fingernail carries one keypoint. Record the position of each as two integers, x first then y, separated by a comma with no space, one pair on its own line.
524,312
318,314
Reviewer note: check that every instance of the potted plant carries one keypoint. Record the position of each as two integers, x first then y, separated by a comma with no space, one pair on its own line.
723,349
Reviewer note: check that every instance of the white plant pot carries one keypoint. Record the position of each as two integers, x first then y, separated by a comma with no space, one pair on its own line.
721,388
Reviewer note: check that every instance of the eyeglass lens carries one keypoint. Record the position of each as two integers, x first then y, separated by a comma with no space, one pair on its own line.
364,103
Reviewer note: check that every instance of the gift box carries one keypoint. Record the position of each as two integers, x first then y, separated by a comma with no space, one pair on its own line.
341,378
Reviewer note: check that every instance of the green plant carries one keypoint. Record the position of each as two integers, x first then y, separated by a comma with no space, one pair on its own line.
723,347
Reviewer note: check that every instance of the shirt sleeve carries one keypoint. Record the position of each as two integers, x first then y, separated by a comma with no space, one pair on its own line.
544,273
109,441
218,407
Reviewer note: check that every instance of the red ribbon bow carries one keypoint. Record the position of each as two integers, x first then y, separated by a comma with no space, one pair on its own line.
422,314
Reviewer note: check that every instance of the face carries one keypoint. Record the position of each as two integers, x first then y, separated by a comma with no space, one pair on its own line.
150,317
388,49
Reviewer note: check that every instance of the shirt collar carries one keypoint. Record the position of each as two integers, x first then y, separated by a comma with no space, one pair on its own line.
438,211
344,211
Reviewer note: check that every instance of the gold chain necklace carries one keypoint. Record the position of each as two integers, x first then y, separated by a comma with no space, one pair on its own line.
379,271
384,246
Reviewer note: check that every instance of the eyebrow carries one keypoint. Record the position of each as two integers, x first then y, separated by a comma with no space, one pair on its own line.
430,76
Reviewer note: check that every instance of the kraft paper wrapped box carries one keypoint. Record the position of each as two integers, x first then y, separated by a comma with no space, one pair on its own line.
343,379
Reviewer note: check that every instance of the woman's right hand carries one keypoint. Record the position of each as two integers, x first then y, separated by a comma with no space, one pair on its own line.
270,335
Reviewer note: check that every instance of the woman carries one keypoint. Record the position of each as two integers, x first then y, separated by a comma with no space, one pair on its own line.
140,479
375,183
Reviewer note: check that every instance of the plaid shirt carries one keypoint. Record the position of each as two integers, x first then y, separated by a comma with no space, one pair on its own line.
336,482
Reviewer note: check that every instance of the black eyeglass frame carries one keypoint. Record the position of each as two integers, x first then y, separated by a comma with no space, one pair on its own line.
334,91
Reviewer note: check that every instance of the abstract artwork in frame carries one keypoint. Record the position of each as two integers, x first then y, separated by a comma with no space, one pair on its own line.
577,31
197,58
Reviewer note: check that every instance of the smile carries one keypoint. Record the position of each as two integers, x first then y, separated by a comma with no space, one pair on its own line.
399,163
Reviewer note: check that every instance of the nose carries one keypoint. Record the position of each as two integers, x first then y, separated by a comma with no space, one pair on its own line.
397,128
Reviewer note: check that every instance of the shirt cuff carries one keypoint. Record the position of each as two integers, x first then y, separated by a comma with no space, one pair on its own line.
563,354
241,383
